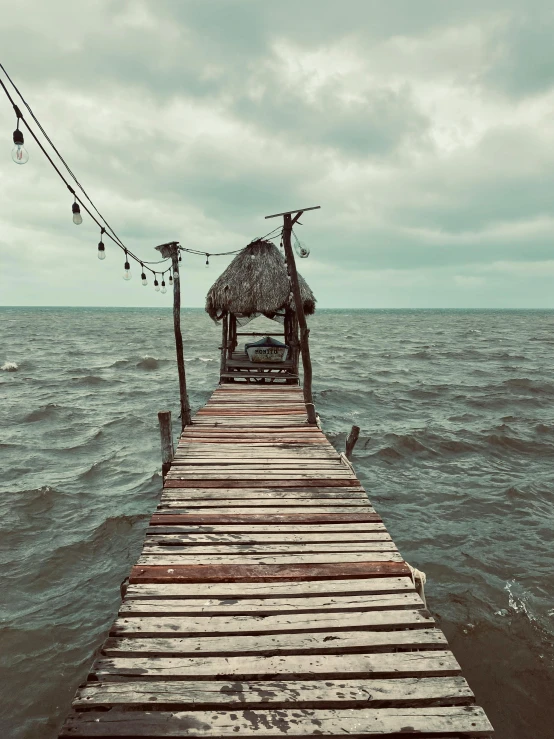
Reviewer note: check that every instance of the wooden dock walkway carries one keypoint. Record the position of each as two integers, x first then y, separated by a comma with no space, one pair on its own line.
269,599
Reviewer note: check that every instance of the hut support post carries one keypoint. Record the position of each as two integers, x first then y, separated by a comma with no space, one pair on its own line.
224,341
168,452
299,306
172,250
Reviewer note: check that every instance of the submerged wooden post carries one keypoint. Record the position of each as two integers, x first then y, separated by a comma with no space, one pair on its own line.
351,440
168,451
172,250
288,223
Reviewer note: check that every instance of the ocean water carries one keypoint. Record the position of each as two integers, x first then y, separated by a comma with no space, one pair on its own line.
456,452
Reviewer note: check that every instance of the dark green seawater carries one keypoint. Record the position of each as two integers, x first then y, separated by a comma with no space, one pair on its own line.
456,452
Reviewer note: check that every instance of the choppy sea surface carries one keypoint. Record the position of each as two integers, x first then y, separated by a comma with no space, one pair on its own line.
456,452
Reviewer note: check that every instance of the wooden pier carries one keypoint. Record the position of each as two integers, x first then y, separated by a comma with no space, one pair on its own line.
269,599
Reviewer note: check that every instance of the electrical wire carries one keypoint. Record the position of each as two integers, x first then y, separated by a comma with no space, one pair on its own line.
104,226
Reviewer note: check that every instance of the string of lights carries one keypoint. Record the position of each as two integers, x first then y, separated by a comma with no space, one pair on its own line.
20,155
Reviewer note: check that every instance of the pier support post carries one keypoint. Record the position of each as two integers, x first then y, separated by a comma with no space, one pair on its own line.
351,440
172,250
168,452
304,330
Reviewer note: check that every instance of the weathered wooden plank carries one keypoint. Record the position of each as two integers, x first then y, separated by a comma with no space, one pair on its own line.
428,663
352,530
246,508
257,442
267,559
273,506
265,573
231,548
335,642
260,493
239,464
259,607
257,694
290,622
425,722
265,519
270,539
292,589
248,481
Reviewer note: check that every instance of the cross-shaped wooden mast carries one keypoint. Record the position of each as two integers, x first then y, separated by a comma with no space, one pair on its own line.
172,250
290,217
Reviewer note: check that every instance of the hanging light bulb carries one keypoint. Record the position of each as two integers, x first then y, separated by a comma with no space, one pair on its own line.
20,155
156,284
300,248
207,260
170,281
143,276
164,288
77,217
127,274
101,247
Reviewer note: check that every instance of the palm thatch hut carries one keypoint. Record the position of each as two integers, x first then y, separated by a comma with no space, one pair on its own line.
257,283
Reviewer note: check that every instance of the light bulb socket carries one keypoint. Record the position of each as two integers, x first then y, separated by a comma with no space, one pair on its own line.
143,276
170,278
127,265
101,246
75,207
163,283
18,139
156,283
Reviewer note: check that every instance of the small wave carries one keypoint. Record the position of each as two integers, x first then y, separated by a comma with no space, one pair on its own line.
389,453
120,363
409,443
96,469
507,442
514,492
451,445
43,413
517,602
524,383
9,367
89,380
148,363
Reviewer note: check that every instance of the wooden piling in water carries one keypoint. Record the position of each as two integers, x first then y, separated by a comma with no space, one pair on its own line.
269,599
351,441
166,434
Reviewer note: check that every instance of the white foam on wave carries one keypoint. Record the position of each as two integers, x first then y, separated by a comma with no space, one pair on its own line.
517,601
9,367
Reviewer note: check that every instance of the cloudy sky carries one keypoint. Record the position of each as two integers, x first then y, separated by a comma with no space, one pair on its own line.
424,129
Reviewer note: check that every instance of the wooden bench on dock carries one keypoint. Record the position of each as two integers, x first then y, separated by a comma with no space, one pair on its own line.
269,599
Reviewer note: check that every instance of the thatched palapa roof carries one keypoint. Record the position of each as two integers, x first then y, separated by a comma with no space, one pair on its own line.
256,282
